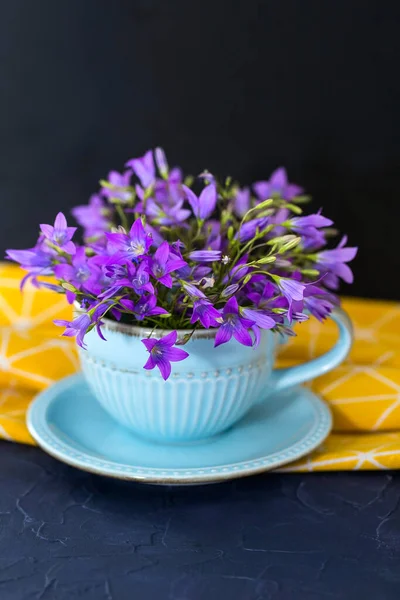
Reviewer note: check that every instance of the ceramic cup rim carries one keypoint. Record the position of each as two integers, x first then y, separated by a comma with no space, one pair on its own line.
142,332
138,331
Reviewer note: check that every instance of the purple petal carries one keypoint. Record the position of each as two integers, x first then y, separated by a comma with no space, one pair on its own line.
292,191
137,231
228,291
157,310
162,253
69,248
193,200
99,331
176,354
192,290
60,221
223,335
166,280
207,201
257,335
292,288
164,367
316,220
205,255
143,168
150,364
231,306
259,317
127,304
262,189
71,296
242,335
344,272
339,254
61,323
174,265
70,232
69,333
168,340
278,179
47,230
161,161
181,215
242,201
149,343
66,272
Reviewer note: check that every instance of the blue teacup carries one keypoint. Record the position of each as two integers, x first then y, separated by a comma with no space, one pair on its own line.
207,392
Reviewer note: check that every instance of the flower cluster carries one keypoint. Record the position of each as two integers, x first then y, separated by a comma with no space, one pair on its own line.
169,252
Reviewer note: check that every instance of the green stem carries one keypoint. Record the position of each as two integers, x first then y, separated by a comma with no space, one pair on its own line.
122,216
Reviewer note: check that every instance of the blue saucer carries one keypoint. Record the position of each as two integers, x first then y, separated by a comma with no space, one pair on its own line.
68,423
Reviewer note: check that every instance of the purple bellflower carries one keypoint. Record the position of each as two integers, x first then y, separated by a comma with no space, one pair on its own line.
60,234
319,302
165,214
309,228
76,328
118,188
130,276
130,245
277,184
145,307
205,255
162,265
192,291
169,191
241,201
206,313
94,217
293,292
76,273
204,205
144,169
249,229
332,264
37,261
161,161
259,316
162,353
233,325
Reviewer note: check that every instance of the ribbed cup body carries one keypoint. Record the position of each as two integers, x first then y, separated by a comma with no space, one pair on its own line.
205,394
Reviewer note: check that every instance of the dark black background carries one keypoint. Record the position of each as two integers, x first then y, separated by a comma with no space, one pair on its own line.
237,87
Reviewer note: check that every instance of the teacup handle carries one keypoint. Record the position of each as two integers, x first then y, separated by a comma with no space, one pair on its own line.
285,378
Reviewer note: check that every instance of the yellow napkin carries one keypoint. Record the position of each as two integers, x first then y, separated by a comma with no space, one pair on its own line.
364,393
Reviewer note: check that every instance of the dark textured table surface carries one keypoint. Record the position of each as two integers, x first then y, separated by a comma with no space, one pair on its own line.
67,535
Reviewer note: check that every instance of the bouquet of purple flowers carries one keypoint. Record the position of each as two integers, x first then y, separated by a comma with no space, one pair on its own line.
167,252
